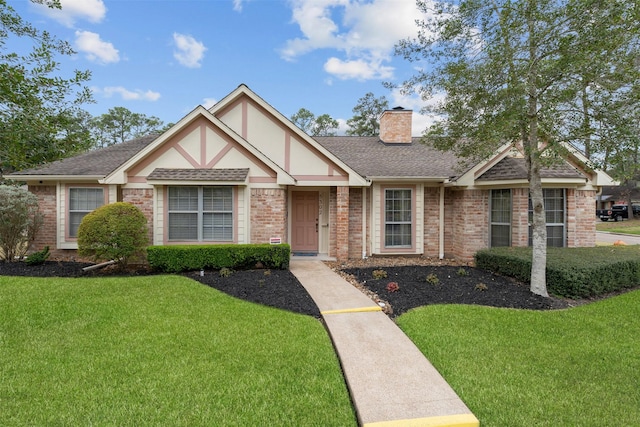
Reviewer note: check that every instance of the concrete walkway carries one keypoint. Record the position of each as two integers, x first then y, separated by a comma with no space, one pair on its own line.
390,381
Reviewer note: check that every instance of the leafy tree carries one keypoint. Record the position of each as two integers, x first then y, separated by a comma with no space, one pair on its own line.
36,106
509,69
120,125
20,220
323,125
117,231
367,111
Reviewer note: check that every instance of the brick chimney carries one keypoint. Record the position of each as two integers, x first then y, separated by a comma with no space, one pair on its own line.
395,126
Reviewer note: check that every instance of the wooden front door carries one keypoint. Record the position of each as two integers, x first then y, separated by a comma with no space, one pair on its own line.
304,225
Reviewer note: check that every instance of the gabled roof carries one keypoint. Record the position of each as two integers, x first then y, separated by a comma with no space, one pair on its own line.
355,178
96,163
511,168
372,158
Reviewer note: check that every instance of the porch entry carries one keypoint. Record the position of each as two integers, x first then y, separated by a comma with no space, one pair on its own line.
305,222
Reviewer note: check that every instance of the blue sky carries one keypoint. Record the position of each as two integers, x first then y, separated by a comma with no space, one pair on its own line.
164,57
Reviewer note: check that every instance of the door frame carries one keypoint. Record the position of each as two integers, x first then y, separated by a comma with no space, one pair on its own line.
323,216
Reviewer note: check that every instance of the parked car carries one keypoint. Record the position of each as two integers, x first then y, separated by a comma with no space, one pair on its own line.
617,212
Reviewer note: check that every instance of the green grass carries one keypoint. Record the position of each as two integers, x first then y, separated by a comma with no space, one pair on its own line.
626,227
160,350
576,367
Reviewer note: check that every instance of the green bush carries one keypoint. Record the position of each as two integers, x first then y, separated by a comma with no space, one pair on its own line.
117,231
39,257
20,220
174,259
571,272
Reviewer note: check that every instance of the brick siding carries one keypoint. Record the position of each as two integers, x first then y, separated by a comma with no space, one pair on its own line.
268,214
342,223
355,223
432,221
142,198
581,221
46,195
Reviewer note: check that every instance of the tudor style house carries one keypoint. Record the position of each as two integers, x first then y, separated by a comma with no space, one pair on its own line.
241,172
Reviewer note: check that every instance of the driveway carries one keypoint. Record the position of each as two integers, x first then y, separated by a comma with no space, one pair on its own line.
603,237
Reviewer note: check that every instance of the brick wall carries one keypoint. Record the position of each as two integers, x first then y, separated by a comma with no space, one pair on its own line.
470,222
395,126
432,221
581,222
46,195
142,198
520,217
268,214
355,223
342,223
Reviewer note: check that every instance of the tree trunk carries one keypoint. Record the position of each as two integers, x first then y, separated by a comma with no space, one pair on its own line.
532,153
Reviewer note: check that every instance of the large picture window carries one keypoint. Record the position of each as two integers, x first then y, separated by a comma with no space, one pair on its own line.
398,221
500,211
82,201
554,206
201,213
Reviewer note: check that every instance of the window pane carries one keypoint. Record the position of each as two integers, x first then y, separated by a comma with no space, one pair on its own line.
74,222
81,202
183,226
183,198
85,199
398,222
218,226
218,199
500,235
500,218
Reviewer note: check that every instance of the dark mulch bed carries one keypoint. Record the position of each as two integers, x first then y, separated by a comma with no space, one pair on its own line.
280,289
452,285
274,288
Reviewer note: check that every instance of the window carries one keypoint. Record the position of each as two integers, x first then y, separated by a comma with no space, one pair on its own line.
500,212
554,206
201,213
398,222
81,202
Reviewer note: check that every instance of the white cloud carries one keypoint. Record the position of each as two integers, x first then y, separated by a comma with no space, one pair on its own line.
95,48
364,32
209,102
74,10
359,69
189,51
128,95
237,5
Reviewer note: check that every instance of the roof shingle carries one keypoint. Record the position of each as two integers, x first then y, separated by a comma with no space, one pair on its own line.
371,158
199,174
511,168
100,162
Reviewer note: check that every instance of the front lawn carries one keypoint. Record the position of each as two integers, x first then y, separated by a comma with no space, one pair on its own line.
574,367
160,350
627,226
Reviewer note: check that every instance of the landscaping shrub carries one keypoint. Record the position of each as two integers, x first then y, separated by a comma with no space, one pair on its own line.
571,272
39,257
20,220
179,258
117,231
